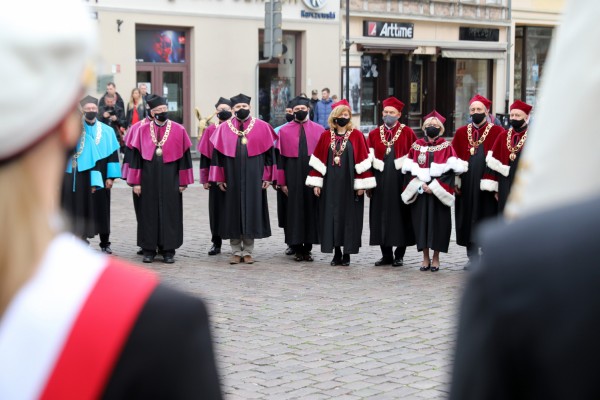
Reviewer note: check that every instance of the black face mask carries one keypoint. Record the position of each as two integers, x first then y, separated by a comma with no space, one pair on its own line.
432,131
161,117
289,117
300,115
224,115
242,113
517,123
91,115
341,121
478,118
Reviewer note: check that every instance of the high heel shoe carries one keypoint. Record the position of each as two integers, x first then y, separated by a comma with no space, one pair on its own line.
427,267
435,268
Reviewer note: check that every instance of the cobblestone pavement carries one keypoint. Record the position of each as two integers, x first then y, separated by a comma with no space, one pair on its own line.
289,330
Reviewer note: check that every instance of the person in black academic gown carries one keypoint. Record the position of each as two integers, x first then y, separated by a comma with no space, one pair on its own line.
389,218
503,160
296,143
472,143
281,197
160,170
341,173
242,167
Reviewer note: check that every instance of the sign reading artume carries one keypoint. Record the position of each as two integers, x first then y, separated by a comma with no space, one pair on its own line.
392,30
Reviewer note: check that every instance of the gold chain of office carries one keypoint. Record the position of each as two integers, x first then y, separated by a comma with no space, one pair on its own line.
517,148
160,144
390,143
244,132
422,154
475,145
338,153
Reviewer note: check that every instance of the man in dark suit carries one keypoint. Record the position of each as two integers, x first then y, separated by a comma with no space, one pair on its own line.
529,324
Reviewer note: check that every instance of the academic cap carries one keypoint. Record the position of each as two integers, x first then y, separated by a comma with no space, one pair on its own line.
156,101
240,98
88,100
223,100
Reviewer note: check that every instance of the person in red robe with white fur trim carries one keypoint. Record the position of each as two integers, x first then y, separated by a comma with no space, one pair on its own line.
471,143
502,161
389,218
433,164
340,174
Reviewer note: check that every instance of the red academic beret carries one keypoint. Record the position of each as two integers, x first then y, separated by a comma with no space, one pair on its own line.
342,102
486,102
393,102
519,105
436,115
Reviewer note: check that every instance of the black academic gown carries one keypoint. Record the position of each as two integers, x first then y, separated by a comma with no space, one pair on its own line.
216,199
245,210
79,204
169,352
340,209
529,323
161,203
102,196
432,220
505,183
473,205
302,211
390,221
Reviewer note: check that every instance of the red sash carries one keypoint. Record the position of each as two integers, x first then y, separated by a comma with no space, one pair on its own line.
99,332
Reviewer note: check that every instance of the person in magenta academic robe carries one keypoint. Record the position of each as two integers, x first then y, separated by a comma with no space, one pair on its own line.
432,166
471,143
502,161
242,166
296,144
341,173
159,171
389,218
76,323
216,197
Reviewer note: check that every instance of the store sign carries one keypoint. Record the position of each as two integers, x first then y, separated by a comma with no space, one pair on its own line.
479,34
392,30
317,15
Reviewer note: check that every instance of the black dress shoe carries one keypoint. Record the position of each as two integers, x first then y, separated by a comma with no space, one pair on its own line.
346,260
148,259
168,259
383,261
336,261
398,262
289,251
106,250
140,252
214,250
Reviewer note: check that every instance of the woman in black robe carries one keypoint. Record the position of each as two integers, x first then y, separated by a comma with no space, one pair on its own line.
433,164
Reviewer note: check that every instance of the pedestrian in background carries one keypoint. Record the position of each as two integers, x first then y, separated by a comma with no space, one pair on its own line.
136,108
341,173
111,89
74,323
314,99
323,109
432,164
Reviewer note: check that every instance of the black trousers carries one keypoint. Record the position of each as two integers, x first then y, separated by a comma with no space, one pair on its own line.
386,252
216,240
104,240
302,248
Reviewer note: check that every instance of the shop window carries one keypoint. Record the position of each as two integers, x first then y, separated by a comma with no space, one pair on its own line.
278,80
472,77
531,50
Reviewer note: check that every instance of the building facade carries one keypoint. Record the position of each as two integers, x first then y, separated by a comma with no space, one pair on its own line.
194,51
432,54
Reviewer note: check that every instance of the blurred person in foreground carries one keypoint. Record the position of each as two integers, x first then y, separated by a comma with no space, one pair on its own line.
529,322
74,323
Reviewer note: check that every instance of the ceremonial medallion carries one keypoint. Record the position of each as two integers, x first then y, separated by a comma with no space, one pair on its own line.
388,150
472,150
513,156
422,158
159,151
74,163
336,160
244,140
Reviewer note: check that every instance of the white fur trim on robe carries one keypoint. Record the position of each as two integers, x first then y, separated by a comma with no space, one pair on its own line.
495,164
399,162
457,182
365,183
442,194
377,163
317,164
363,166
409,195
314,181
489,185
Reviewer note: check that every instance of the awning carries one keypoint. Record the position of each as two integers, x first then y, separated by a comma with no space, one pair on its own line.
477,54
385,47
